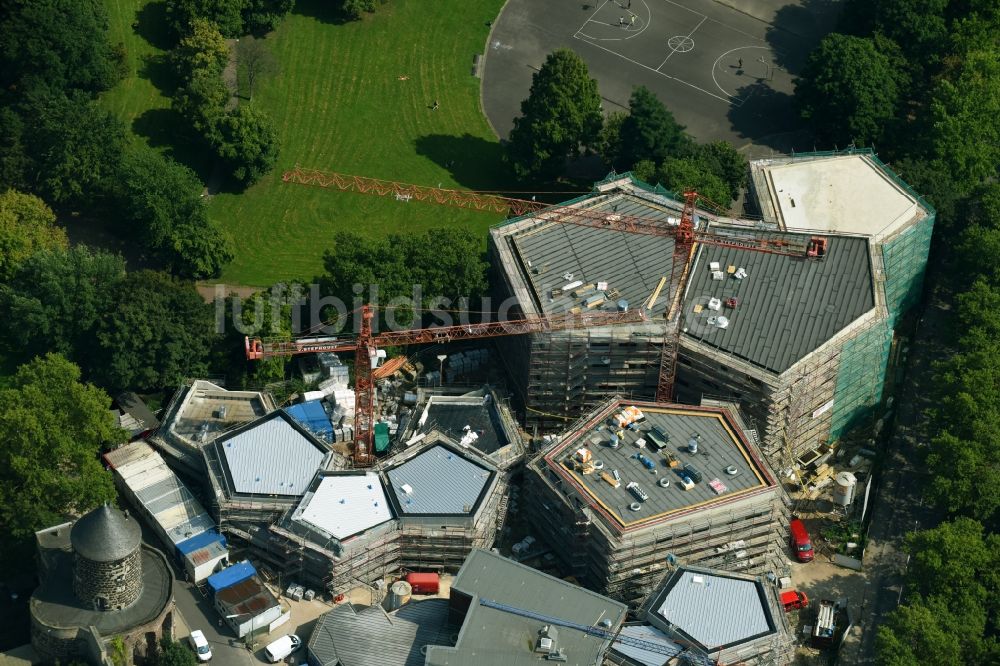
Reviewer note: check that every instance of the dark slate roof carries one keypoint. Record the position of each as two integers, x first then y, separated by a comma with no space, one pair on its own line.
367,636
105,535
718,448
53,603
132,404
494,636
631,263
788,307
450,419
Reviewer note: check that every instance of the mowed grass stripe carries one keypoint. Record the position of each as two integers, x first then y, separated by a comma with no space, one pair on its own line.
337,104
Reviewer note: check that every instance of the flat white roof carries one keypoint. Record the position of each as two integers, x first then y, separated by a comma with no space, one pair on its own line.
345,504
844,194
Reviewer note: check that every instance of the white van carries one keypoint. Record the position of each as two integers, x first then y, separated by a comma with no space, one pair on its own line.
282,647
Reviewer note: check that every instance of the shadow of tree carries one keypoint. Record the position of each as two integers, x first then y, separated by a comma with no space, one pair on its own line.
798,28
151,24
322,10
166,128
768,117
160,72
472,161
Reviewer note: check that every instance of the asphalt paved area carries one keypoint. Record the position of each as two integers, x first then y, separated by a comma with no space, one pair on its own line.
726,72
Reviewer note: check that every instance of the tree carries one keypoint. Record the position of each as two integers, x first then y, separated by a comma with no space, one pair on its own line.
174,653
14,159
649,132
26,225
52,427
58,44
157,333
682,175
609,141
160,205
76,146
964,112
848,90
562,113
918,26
261,16
55,300
227,14
721,159
202,101
355,9
256,61
248,142
203,48
914,635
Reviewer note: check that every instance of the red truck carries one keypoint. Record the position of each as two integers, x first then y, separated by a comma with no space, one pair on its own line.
799,541
793,600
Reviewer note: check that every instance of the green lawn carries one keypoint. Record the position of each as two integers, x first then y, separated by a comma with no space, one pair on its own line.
339,105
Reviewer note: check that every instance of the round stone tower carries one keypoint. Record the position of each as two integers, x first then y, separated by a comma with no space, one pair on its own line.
107,568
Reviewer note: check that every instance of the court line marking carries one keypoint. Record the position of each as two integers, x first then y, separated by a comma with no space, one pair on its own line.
728,98
716,64
672,51
612,25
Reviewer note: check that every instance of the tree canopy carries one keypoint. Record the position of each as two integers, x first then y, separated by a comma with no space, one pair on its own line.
52,427
161,206
26,226
650,132
248,143
848,90
561,114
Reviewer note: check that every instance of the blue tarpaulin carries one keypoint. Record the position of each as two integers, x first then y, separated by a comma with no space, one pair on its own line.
230,576
312,417
199,541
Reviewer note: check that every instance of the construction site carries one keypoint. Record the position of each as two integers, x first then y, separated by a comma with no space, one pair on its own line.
636,487
667,375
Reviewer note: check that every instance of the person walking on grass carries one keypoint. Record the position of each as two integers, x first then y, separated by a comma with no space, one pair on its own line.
435,106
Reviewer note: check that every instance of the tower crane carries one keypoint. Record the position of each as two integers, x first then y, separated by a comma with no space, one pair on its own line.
365,344
686,231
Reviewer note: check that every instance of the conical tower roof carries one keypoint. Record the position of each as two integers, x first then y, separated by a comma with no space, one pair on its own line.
105,535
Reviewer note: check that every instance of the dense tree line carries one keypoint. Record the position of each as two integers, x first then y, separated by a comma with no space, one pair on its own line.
242,137
233,17
920,79
562,116
58,144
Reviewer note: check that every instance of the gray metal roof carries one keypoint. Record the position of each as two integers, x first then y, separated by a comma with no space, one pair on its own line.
717,450
341,505
492,636
366,636
441,481
787,307
716,610
631,263
105,535
270,456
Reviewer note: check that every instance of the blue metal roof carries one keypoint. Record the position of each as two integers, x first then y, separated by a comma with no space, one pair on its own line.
200,541
230,576
312,417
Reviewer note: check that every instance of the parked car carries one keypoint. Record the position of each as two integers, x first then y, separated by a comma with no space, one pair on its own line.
793,599
799,542
282,647
200,645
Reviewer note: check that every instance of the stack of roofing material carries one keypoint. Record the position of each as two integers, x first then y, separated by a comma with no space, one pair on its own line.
172,510
342,400
466,363
333,369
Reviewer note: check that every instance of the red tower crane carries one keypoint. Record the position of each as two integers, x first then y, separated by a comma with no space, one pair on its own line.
685,232
366,342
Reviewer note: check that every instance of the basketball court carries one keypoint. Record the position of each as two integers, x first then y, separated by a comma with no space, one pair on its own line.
725,73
